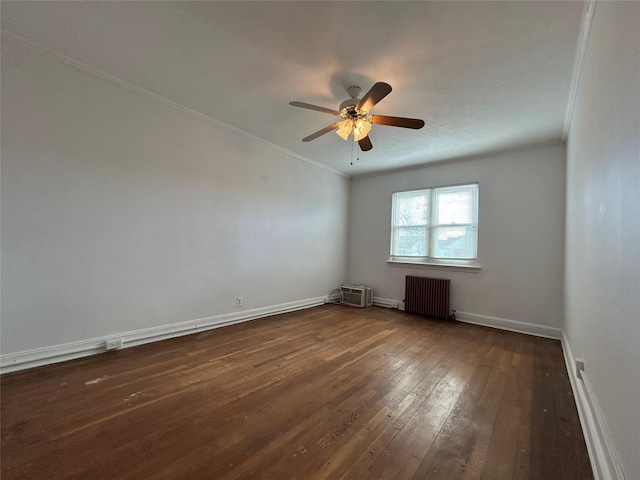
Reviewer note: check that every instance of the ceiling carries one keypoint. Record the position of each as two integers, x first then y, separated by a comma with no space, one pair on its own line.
485,76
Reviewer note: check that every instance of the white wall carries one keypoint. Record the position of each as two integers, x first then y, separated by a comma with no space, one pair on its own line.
120,213
602,316
520,246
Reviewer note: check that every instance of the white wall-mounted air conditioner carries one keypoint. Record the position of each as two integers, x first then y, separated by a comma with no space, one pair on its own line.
356,295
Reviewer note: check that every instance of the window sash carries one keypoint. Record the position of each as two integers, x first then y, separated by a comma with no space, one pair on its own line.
408,245
451,240
455,247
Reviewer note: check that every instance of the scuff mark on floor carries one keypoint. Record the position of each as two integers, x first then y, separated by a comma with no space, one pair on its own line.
96,380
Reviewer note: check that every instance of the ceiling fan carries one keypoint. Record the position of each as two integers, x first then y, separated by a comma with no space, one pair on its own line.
356,115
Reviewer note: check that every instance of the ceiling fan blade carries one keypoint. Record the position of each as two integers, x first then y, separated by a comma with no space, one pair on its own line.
373,96
365,144
308,106
319,133
414,123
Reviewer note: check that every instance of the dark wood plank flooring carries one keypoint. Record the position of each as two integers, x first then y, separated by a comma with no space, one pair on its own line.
326,393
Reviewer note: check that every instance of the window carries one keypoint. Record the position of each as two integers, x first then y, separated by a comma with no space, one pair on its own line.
435,225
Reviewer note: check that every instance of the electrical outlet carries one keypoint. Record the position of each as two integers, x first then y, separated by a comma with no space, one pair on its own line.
114,343
579,367
238,301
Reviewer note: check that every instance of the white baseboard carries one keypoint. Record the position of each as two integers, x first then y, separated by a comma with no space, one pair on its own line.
486,321
59,353
510,325
604,461
333,298
385,302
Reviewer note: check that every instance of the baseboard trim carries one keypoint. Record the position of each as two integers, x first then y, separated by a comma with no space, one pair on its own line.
13,362
604,460
333,298
385,302
510,325
486,321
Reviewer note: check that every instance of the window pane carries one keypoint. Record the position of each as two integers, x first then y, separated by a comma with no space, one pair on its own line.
439,223
454,242
411,209
454,205
410,241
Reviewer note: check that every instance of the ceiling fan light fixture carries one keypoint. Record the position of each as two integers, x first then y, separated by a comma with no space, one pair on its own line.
361,129
344,129
358,126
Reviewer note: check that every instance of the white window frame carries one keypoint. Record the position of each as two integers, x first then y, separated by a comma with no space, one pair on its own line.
431,228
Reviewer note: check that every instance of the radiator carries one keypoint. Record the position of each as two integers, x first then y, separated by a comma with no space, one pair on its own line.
427,296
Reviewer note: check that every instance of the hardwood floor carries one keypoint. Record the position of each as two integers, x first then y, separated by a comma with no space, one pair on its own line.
326,393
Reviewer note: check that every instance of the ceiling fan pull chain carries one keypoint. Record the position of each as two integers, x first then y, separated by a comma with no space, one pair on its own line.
354,141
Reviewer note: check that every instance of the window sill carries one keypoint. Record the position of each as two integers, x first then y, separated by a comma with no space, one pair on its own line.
435,264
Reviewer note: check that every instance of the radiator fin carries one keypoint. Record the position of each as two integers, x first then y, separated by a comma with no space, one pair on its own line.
427,296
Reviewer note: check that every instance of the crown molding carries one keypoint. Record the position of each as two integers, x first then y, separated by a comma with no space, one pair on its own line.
86,68
466,158
581,51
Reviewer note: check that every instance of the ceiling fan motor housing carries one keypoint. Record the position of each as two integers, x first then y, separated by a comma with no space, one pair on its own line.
348,108
354,91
